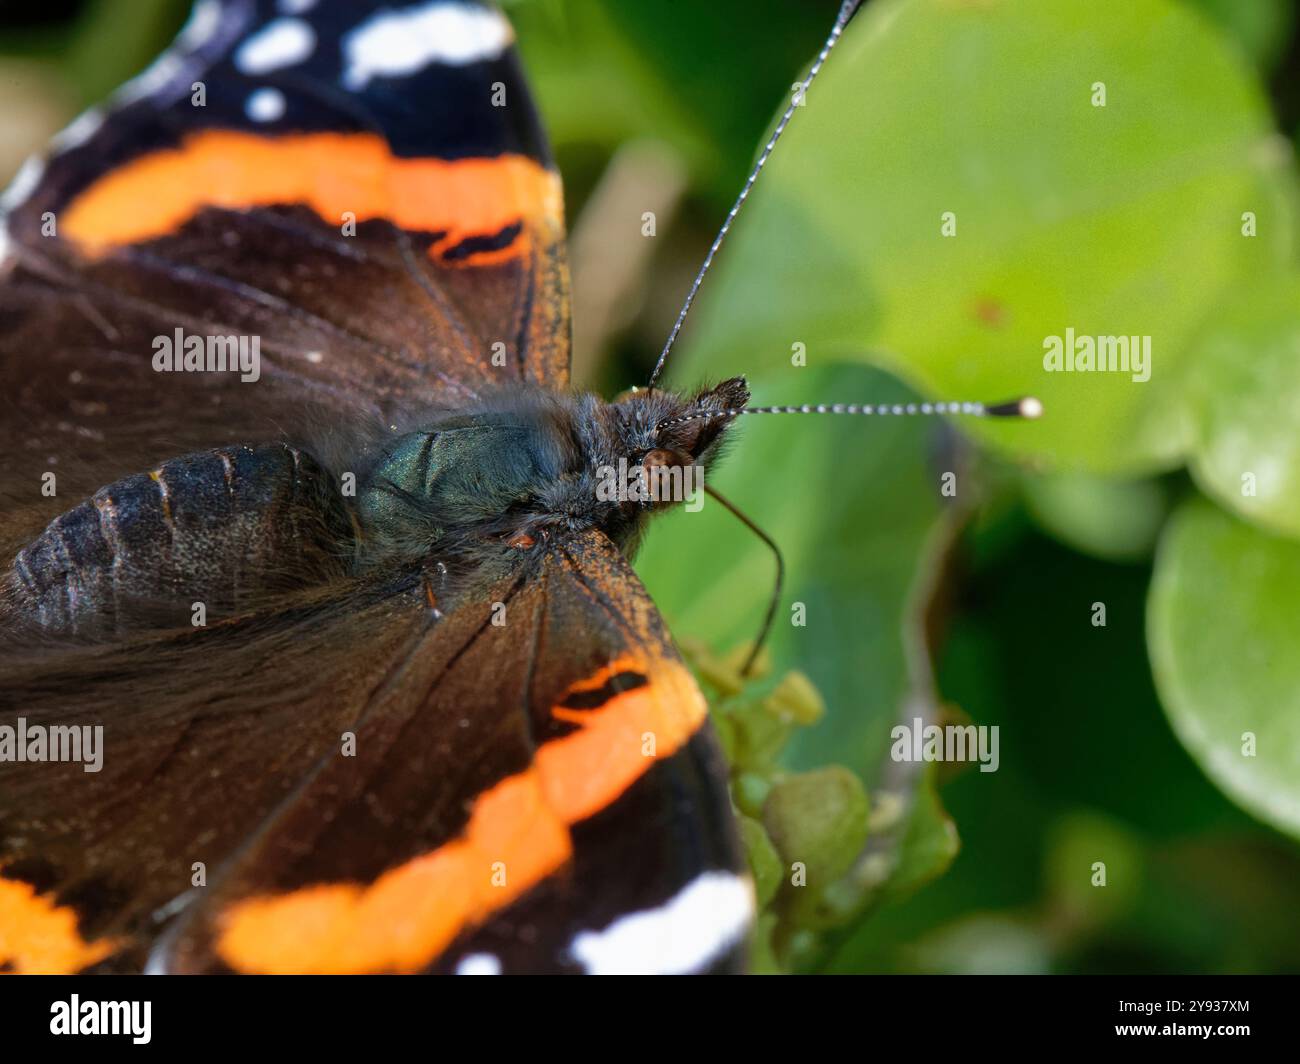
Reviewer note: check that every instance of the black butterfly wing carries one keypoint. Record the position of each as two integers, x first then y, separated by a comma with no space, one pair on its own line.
204,732
389,232
339,772
526,782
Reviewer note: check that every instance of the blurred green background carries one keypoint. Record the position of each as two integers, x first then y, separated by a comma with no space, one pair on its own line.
1111,167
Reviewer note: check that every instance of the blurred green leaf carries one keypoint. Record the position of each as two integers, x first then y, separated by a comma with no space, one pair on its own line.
594,84
764,861
1244,395
851,503
1077,843
912,841
1223,634
1082,729
928,846
109,45
1259,27
703,78
986,944
817,821
1115,220
1118,520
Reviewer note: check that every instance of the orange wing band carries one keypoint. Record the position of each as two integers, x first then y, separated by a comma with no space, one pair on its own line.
38,937
342,177
516,836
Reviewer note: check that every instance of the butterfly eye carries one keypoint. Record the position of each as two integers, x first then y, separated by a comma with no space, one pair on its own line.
664,457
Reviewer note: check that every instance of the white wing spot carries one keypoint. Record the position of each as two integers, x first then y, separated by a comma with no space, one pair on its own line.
265,105
160,74
281,43
685,934
201,25
479,964
23,184
396,43
78,131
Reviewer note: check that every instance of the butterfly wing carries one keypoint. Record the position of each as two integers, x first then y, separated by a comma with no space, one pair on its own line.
363,191
356,779
525,781
179,764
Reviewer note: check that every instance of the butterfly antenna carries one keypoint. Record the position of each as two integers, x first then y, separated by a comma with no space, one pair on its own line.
766,629
847,10
1027,407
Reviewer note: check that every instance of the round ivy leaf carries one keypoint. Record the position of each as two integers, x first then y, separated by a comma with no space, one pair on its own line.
969,185
1243,393
1221,624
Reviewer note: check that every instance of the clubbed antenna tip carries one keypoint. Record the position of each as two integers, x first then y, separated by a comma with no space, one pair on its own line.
1027,407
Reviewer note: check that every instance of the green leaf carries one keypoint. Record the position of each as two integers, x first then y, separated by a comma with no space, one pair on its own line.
854,504
1117,220
818,819
764,861
594,85
851,502
609,71
1118,520
113,41
1223,634
928,846
1261,28
1244,399
1078,842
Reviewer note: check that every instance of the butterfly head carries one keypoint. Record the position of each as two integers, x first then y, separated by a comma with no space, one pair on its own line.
665,427
528,467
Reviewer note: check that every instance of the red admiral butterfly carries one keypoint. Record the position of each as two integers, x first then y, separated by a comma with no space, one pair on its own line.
348,597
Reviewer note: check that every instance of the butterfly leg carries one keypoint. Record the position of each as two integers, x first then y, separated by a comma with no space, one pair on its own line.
434,597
